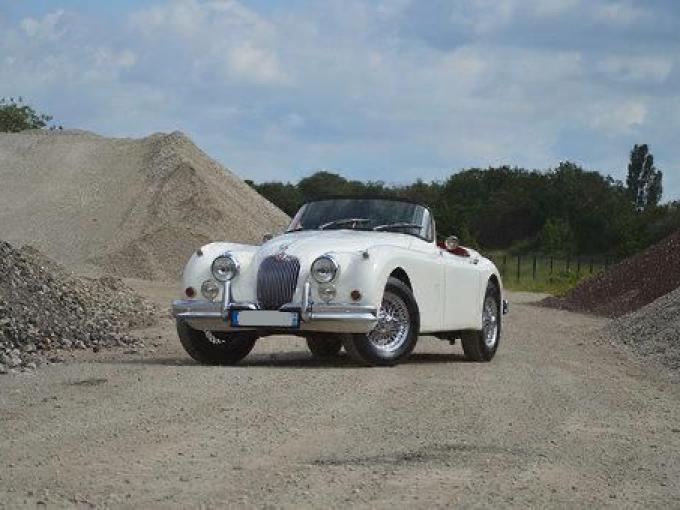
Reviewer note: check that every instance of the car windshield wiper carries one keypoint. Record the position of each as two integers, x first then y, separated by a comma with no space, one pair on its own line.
389,226
343,222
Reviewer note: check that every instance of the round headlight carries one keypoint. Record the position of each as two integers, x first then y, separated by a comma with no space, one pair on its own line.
224,267
325,269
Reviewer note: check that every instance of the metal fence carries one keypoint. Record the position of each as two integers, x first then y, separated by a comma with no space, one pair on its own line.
543,267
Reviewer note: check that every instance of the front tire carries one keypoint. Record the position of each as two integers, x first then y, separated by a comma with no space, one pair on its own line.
396,333
215,348
324,347
482,345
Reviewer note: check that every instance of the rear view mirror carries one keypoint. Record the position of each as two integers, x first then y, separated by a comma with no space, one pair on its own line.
451,243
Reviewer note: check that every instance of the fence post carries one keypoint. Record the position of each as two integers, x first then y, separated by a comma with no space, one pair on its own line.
606,263
591,265
533,271
519,258
551,264
505,263
568,261
578,265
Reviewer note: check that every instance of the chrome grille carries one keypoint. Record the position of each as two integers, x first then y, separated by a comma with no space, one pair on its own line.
276,281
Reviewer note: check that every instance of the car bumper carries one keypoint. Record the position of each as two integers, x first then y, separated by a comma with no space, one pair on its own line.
216,316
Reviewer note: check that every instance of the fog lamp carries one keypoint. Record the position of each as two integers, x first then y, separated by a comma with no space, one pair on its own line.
327,292
210,290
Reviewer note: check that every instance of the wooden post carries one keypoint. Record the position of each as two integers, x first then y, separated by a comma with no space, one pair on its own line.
519,258
551,264
534,269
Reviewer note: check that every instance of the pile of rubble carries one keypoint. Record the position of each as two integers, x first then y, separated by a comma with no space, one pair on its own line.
43,307
653,331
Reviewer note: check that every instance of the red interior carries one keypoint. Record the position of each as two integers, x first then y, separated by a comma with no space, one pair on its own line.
460,251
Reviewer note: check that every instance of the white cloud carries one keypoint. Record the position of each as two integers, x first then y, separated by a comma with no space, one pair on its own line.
649,68
622,117
47,27
620,13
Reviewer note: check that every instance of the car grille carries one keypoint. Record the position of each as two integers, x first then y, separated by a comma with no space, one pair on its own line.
276,281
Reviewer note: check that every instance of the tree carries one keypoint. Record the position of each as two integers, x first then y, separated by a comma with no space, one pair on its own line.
556,237
15,116
644,180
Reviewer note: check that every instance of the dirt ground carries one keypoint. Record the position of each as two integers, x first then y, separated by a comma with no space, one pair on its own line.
558,418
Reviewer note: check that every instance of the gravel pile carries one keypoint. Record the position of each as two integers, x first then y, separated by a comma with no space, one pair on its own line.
653,331
44,307
128,207
630,284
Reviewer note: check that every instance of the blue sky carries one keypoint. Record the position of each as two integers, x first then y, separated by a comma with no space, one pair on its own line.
380,90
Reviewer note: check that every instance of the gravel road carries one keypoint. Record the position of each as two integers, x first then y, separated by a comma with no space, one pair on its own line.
558,418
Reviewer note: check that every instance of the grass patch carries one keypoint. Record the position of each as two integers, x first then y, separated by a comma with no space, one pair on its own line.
551,275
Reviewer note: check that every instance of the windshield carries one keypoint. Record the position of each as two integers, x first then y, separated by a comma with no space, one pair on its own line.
364,214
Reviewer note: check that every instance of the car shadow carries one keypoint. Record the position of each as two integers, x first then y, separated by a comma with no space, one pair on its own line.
301,360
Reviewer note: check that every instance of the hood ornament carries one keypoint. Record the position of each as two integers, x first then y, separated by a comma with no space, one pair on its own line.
281,255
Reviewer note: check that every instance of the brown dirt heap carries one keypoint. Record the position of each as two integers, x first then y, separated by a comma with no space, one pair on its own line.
132,207
628,285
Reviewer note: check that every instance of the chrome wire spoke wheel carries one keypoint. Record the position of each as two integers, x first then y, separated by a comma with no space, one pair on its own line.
490,322
394,322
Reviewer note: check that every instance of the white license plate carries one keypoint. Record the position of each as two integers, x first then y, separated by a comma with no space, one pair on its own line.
270,318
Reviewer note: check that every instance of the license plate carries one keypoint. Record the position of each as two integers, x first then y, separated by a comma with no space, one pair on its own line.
265,318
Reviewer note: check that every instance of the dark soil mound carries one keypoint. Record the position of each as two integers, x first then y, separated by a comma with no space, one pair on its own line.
628,285
44,307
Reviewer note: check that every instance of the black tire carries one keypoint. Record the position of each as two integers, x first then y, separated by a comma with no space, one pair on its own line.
226,348
474,344
364,352
324,346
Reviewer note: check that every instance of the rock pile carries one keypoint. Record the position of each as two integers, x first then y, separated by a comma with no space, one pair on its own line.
44,307
653,331
628,285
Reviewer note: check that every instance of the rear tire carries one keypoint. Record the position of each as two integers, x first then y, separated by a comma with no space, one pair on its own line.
396,333
215,348
482,345
324,346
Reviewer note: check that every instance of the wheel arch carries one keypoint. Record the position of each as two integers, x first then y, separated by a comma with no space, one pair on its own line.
400,274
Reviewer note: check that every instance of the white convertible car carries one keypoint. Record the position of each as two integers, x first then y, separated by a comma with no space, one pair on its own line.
365,274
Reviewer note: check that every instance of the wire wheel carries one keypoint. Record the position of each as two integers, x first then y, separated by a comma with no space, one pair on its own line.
490,322
394,323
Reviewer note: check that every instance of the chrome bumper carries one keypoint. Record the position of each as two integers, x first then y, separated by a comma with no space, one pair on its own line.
314,316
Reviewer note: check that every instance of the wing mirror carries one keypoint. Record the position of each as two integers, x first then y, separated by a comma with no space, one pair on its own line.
451,243
267,237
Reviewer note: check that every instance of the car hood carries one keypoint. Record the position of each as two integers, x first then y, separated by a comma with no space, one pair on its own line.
307,245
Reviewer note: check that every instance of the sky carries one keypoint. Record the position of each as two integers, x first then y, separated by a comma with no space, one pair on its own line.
374,90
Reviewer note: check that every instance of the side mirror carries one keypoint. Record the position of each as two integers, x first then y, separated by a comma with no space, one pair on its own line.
451,243
267,237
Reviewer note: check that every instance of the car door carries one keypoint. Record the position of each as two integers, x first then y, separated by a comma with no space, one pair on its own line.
461,288
430,287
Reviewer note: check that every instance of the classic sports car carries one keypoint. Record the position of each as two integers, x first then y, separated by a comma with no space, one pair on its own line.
365,274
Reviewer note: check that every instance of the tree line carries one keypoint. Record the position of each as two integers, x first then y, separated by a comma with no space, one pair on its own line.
563,210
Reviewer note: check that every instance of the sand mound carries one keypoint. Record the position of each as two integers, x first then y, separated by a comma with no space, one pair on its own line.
628,285
44,307
132,207
653,331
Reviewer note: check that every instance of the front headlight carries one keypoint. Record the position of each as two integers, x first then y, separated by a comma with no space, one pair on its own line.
225,267
325,269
